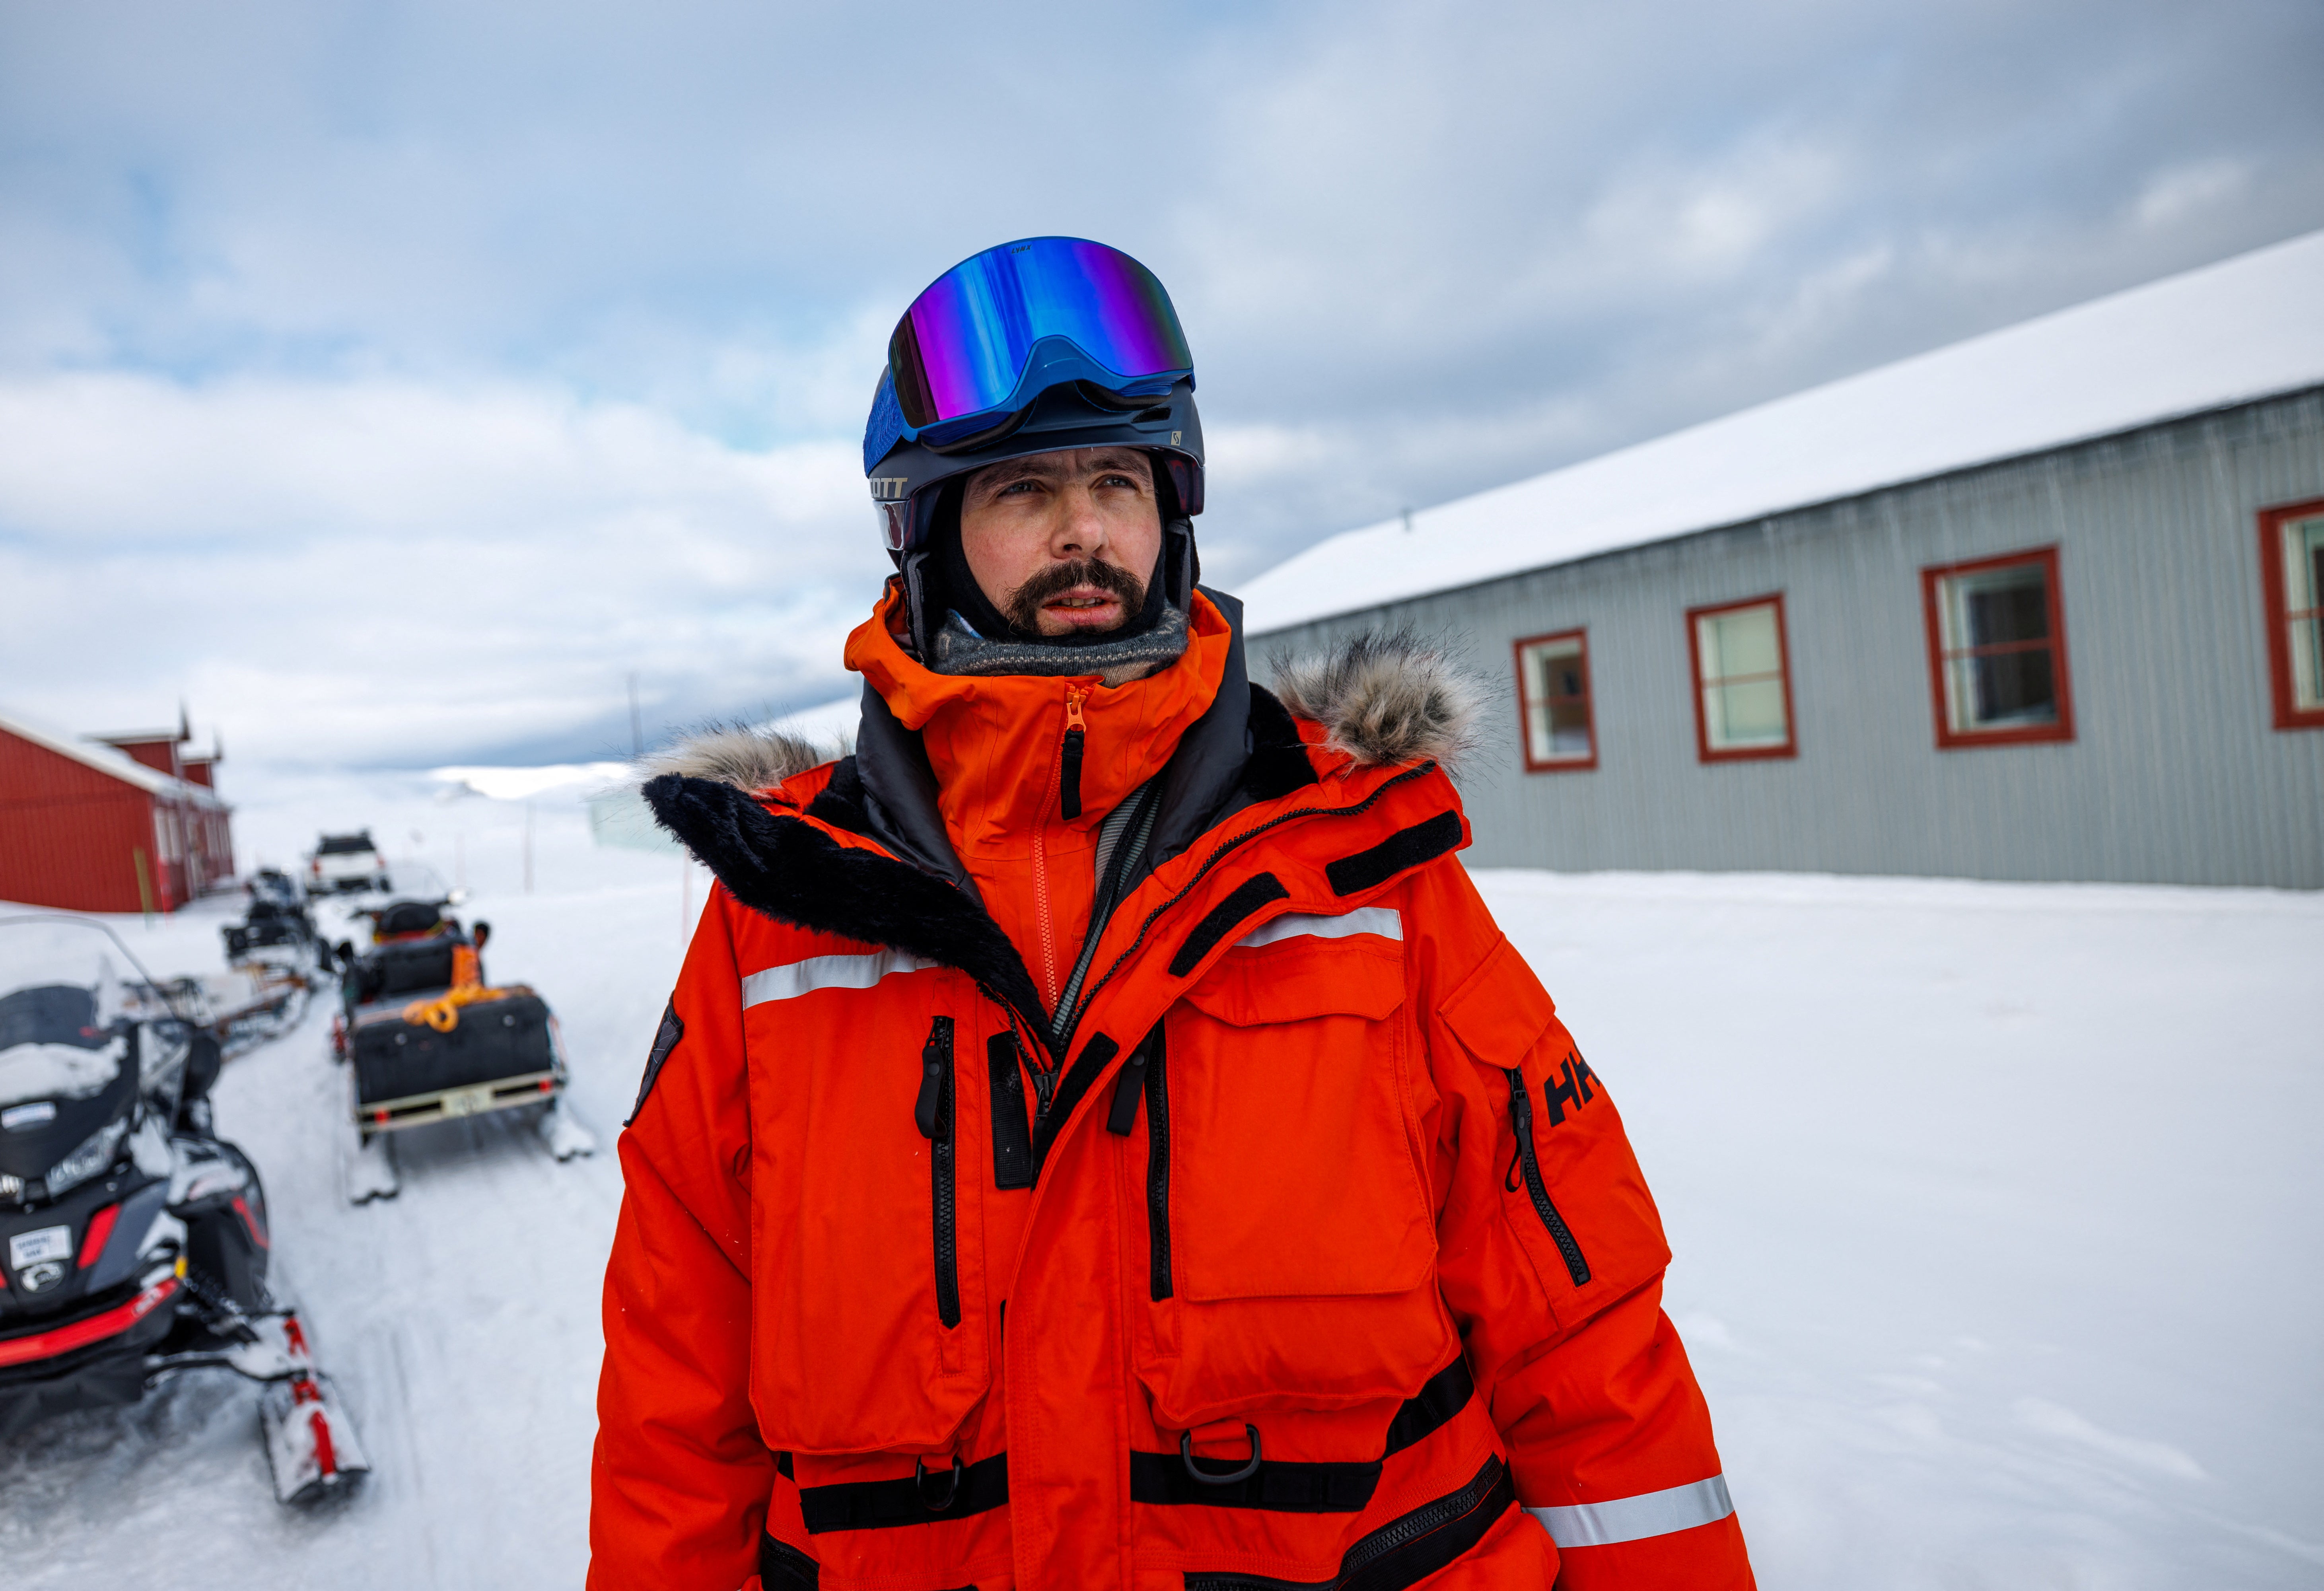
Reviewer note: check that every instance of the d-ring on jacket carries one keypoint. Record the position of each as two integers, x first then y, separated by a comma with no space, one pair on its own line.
1313,1254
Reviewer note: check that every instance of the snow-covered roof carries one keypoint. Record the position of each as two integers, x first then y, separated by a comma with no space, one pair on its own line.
2244,329
105,759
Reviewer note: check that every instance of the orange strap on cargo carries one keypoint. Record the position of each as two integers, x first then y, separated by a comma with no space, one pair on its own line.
443,1012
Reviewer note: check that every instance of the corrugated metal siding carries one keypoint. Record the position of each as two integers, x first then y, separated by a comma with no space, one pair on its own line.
2176,775
68,832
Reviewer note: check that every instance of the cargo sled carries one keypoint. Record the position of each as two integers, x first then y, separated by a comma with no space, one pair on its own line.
426,1038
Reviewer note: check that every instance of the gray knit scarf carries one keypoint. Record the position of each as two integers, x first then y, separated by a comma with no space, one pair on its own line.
960,650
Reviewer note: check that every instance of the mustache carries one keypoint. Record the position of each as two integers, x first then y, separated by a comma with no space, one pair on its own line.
1024,609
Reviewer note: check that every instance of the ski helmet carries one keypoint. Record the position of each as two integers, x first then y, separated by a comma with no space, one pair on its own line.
1034,347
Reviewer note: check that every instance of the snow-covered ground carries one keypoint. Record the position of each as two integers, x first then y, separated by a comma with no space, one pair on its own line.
1997,1211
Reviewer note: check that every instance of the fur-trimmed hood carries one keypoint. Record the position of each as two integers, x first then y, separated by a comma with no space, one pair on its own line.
748,758
1382,699
1386,699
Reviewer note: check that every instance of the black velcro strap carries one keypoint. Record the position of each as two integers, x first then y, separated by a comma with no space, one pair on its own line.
1259,890
1406,848
1277,1486
784,1568
1448,1392
1095,1057
1012,1134
665,1037
880,1505
1127,1087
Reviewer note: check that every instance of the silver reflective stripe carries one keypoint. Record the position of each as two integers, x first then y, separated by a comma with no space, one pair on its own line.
1384,920
827,971
1634,1519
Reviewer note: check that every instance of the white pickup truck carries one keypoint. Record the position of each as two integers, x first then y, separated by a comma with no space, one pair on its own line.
345,862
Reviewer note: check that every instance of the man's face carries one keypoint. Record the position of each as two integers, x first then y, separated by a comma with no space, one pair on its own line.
1063,542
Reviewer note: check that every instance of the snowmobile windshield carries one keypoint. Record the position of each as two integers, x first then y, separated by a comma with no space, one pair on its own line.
64,1016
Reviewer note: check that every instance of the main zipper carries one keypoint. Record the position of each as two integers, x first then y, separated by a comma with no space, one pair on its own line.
1066,784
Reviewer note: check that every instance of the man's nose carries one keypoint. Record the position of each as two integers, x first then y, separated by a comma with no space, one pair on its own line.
1080,527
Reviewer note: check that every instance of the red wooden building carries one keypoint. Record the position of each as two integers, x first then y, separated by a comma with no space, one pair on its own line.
125,823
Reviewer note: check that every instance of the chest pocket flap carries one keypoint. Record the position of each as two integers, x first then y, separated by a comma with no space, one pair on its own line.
1297,1172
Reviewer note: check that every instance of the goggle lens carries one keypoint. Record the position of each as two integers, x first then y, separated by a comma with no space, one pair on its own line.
963,347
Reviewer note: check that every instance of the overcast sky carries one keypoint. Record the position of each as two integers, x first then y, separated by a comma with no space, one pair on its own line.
390,380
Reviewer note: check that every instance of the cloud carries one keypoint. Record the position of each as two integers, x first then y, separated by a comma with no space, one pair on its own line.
395,379
368,570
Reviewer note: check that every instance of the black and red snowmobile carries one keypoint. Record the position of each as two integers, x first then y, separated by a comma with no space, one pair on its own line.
428,1040
134,1241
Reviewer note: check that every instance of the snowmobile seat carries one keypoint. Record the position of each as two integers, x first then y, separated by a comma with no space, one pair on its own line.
409,967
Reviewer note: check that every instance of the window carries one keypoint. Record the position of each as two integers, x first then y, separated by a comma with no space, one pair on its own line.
1998,650
1743,680
2291,568
1554,696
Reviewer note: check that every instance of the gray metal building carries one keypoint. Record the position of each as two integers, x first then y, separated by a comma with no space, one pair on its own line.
2098,654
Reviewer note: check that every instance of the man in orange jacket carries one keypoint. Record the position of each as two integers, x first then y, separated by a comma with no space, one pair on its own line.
1099,1137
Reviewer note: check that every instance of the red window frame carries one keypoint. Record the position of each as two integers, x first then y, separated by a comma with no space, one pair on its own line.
1524,705
1704,751
2289,713
1950,739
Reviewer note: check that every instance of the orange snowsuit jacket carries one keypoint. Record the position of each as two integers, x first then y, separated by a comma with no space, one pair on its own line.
1313,1255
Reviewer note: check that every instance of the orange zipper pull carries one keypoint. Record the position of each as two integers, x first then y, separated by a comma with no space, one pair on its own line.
1075,696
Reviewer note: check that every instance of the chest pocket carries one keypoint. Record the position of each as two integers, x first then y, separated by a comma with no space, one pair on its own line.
1291,1235
869,1329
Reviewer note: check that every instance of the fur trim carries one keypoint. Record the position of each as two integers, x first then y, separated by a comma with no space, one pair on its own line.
748,759
1386,699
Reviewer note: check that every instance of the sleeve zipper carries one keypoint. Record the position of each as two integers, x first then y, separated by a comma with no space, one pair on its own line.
1521,1123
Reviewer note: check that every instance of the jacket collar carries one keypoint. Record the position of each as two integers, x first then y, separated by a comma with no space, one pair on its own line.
994,744
858,849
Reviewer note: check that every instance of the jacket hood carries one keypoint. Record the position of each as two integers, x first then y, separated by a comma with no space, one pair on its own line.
1381,700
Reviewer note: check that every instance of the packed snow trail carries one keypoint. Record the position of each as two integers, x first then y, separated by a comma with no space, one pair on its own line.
1994,1210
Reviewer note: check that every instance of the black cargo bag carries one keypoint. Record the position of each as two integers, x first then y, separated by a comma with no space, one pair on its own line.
495,1040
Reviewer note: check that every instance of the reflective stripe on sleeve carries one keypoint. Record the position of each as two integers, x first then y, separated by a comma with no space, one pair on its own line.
827,971
1634,1519
1384,920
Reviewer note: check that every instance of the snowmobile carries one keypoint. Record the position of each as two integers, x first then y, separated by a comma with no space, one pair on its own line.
277,917
134,1241
428,1040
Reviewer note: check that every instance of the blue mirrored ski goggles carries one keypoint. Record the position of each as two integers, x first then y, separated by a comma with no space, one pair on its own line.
993,333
